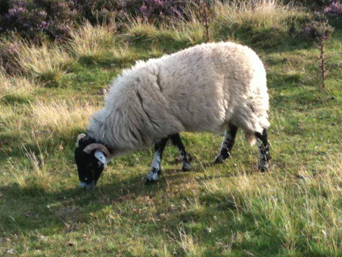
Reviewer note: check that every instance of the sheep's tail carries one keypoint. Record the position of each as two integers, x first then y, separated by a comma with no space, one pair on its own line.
250,138
257,127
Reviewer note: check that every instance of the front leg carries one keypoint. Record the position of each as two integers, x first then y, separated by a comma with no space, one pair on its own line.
159,147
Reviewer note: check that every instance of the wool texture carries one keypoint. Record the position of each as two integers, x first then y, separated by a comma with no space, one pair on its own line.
202,88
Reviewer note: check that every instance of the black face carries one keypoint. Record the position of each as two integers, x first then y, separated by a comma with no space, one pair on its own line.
89,167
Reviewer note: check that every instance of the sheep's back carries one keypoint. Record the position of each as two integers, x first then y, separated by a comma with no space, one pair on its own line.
206,85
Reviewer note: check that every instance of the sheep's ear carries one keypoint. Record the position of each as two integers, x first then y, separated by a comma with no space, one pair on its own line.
101,157
79,137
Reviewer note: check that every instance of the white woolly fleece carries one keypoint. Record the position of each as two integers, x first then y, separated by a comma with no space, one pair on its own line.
201,88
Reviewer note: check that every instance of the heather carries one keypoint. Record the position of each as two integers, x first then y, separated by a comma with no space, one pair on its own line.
334,9
40,19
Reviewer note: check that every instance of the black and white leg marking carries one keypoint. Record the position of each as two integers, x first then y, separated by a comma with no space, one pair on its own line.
227,144
159,147
186,158
264,150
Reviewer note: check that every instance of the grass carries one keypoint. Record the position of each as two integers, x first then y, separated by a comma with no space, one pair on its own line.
61,117
91,41
227,210
44,62
265,24
15,86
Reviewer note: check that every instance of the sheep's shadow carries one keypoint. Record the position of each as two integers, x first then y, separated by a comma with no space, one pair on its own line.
27,209
34,208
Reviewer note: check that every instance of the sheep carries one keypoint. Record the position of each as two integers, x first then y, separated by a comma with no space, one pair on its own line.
211,87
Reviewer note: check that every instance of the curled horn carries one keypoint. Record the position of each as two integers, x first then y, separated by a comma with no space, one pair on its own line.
79,137
96,146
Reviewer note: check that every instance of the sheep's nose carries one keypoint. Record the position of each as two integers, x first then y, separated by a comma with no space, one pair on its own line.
87,186
83,184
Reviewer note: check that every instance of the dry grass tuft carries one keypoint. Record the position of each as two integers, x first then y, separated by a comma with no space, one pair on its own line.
15,85
260,13
187,33
44,62
61,116
33,174
137,28
192,31
188,244
91,40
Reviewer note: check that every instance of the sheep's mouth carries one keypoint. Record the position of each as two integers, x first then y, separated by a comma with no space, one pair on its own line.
88,185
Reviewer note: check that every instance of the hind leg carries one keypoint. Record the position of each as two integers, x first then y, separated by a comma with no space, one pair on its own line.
227,144
186,158
264,150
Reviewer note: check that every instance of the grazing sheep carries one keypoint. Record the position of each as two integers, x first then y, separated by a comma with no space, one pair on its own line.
210,87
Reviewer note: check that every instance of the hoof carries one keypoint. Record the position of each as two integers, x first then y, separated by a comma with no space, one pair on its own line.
263,167
219,159
186,166
153,176
188,158
150,182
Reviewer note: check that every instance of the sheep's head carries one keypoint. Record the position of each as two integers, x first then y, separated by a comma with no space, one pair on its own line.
91,158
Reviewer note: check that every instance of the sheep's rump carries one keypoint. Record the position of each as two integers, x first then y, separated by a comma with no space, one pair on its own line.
198,89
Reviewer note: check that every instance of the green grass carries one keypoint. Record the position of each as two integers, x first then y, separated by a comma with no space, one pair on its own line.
226,210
